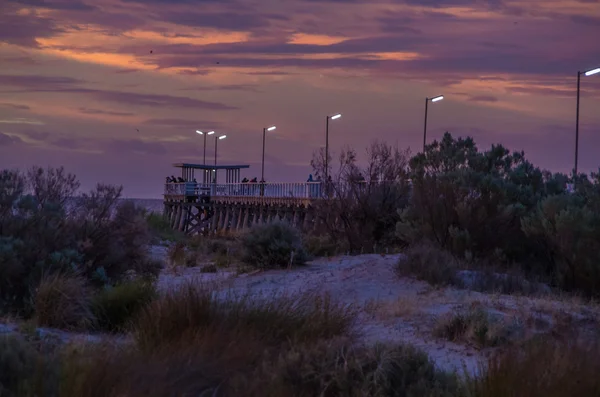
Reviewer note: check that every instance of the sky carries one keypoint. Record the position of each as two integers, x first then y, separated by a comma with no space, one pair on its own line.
114,90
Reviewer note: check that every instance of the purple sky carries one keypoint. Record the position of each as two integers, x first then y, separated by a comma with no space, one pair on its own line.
77,81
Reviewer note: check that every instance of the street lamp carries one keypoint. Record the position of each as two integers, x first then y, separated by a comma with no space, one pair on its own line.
217,139
262,174
434,99
588,73
334,117
205,134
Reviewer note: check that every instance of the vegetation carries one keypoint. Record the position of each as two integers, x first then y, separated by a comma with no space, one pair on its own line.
63,302
361,211
115,307
47,229
273,245
495,207
542,367
479,327
484,220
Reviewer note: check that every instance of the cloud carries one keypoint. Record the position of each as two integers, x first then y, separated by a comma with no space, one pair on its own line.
183,123
8,140
233,21
549,91
158,100
136,146
105,112
67,143
36,83
229,87
21,29
64,5
197,72
126,71
14,106
483,98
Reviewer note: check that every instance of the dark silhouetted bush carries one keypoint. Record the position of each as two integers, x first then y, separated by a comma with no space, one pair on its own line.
63,302
429,263
273,245
46,229
115,307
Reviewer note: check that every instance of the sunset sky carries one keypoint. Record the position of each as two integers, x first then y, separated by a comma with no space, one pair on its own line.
80,87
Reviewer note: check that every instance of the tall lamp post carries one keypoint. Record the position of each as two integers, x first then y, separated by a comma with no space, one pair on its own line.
588,73
434,99
205,134
217,139
334,117
262,174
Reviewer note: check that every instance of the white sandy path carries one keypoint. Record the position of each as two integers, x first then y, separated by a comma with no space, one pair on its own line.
359,280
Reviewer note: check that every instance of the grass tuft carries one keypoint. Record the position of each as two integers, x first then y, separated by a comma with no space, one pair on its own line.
63,302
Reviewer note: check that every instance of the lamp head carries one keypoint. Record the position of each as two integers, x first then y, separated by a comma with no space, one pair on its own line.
593,71
337,116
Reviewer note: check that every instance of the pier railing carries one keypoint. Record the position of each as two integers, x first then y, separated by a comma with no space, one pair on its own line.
303,190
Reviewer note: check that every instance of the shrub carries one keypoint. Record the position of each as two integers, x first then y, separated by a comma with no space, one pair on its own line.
48,229
428,263
208,269
198,311
161,230
336,368
63,302
322,246
18,362
566,229
541,367
477,326
273,245
176,254
115,307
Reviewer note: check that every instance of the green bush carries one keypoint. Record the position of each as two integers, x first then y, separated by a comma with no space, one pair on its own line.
115,307
429,263
273,245
48,228
322,246
161,230
567,231
63,302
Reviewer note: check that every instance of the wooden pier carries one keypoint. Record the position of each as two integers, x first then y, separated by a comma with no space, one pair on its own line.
208,207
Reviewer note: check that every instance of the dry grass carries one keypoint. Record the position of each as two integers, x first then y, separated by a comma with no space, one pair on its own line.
176,255
63,302
542,367
478,327
192,310
402,307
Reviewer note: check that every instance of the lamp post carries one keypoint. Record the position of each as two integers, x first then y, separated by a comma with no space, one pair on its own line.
434,99
588,73
334,117
217,139
205,134
262,174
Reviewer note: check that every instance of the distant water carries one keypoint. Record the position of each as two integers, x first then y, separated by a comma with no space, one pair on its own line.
153,205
